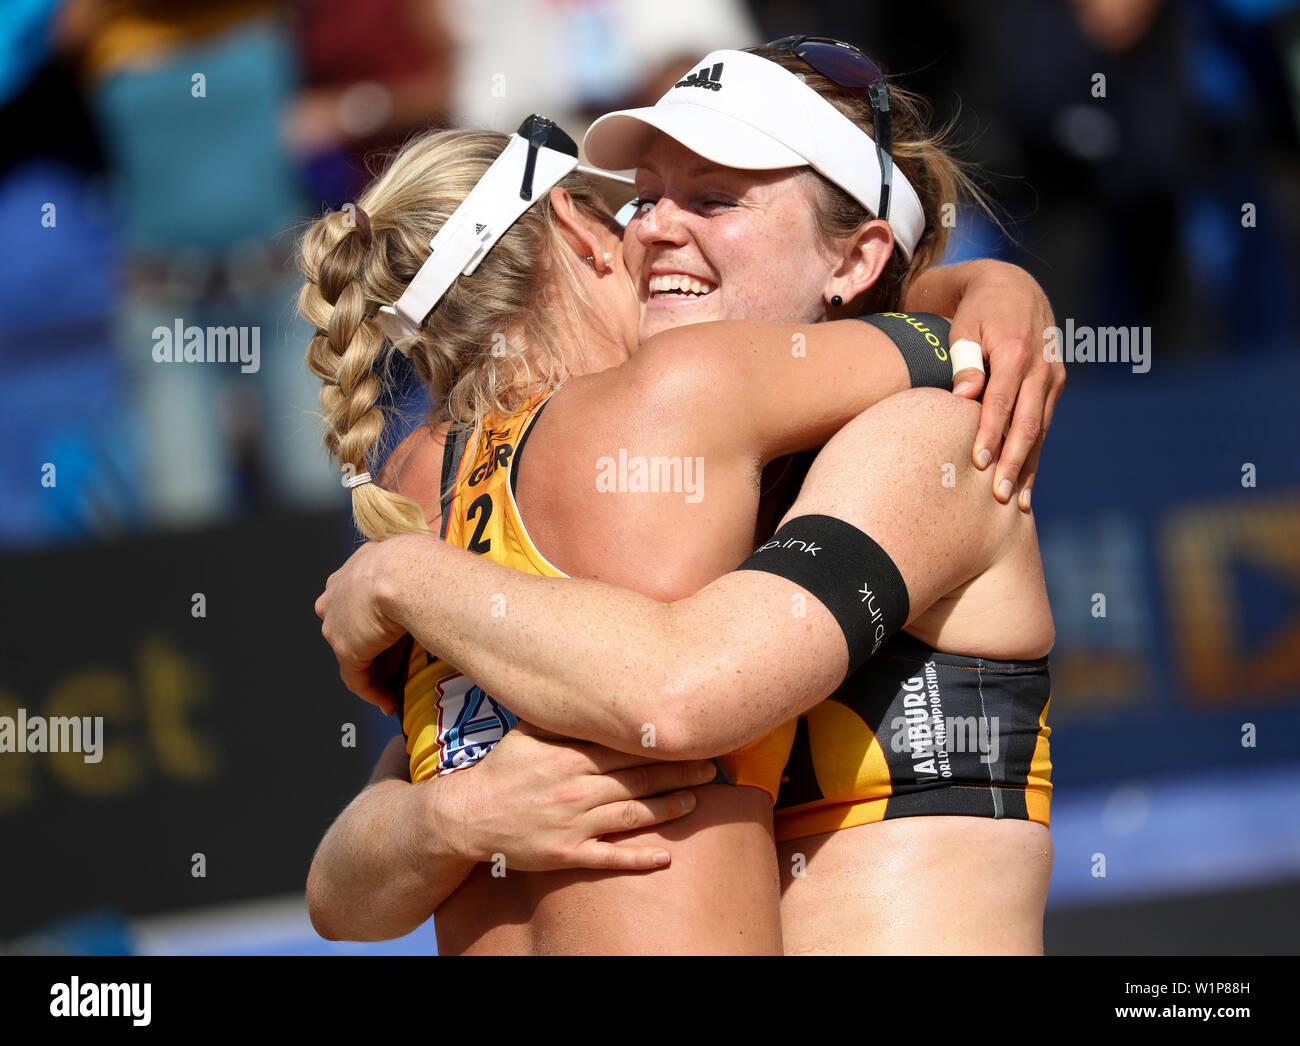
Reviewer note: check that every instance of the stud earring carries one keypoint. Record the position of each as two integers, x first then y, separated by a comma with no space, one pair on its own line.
836,301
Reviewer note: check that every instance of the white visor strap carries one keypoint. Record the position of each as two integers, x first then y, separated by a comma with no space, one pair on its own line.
485,215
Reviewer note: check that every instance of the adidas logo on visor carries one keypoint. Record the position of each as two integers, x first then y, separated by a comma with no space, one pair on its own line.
710,80
767,119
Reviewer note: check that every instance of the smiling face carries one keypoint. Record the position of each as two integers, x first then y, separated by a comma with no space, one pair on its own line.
715,243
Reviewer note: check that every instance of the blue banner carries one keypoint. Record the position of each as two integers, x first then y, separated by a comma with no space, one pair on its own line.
1169,517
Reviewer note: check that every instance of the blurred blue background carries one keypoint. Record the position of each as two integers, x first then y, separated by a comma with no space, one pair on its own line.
159,159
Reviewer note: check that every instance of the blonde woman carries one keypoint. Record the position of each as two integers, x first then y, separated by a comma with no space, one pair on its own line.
732,395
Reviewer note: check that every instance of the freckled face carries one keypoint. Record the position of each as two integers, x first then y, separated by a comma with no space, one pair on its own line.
715,243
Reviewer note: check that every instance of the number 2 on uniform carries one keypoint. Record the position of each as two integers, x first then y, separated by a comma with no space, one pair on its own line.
482,507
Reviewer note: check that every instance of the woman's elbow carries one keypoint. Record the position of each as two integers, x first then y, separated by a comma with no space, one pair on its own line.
329,918
318,911
687,718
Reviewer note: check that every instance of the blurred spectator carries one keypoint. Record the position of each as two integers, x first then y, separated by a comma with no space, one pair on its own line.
1116,25
1167,198
661,41
1123,139
574,59
190,98
373,73
66,471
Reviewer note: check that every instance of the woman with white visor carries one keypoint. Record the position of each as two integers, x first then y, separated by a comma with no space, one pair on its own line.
719,230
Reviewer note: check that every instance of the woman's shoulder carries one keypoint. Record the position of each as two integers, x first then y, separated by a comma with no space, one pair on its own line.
414,469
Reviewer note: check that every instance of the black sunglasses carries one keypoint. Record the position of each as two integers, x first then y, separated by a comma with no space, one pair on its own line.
539,131
846,66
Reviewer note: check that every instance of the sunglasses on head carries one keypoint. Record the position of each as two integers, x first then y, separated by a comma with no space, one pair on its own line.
845,66
538,132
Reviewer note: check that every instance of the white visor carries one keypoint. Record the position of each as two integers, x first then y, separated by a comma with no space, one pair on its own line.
484,216
741,110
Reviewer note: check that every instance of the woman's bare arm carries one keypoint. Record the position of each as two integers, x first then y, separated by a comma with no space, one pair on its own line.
399,849
775,389
386,862
710,672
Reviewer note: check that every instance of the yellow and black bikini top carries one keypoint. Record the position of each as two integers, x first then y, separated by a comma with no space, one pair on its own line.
449,722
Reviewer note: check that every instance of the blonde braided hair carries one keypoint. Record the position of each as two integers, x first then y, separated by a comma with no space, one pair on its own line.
525,294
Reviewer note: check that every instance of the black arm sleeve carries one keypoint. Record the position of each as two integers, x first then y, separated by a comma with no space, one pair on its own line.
922,338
